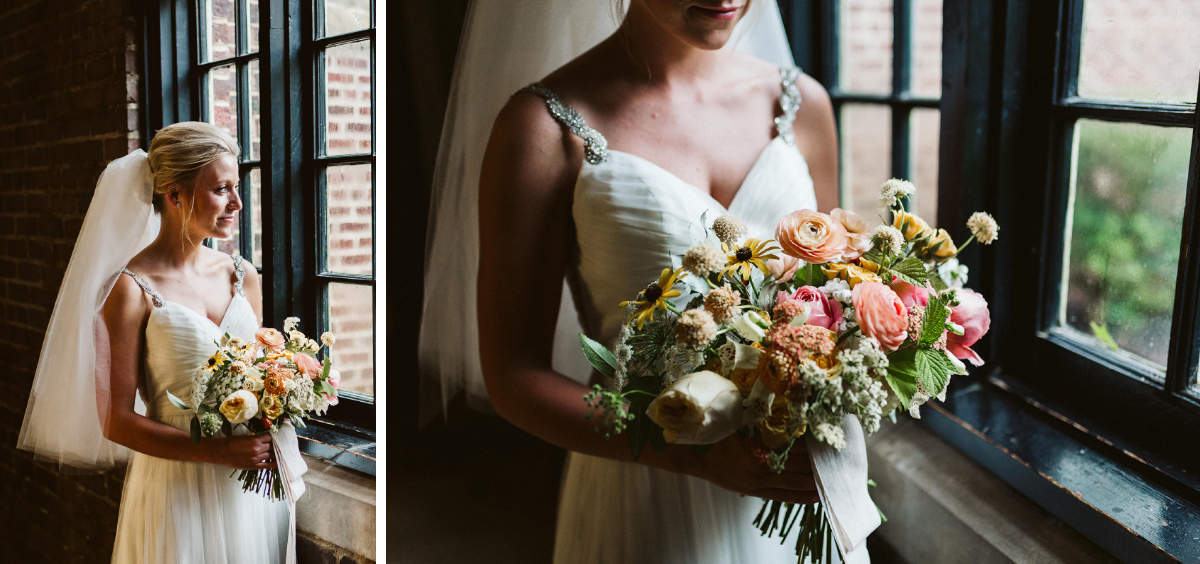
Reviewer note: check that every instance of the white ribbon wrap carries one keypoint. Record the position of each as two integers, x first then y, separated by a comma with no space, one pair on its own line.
291,467
841,477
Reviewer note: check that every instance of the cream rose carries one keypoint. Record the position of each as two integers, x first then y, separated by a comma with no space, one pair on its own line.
810,236
239,407
911,226
698,409
880,314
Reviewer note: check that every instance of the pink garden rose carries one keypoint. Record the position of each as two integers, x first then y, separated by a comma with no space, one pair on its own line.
810,236
858,240
880,313
783,268
307,365
911,295
335,378
972,313
823,312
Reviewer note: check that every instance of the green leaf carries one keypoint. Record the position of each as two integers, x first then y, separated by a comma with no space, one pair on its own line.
177,402
902,374
299,422
599,356
933,369
226,428
936,314
911,270
875,255
937,283
325,366
323,387
196,430
809,275
1101,332
640,428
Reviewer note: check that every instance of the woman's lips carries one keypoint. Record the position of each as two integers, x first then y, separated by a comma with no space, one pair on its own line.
720,14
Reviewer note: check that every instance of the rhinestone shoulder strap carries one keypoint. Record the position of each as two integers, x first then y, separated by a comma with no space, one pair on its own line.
241,273
789,102
595,146
154,297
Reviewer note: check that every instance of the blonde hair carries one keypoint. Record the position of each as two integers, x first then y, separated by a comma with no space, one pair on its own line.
179,151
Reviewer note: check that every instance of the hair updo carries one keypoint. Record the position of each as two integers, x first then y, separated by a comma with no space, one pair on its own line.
179,151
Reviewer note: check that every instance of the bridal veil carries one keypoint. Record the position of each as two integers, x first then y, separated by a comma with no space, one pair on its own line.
506,45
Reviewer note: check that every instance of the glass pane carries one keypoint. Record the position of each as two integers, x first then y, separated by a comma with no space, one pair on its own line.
221,33
252,189
348,207
1124,234
351,315
926,126
222,99
866,157
252,18
255,111
927,48
1140,50
348,99
344,16
866,46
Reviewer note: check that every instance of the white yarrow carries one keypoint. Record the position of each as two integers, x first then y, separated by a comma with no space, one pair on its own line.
290,323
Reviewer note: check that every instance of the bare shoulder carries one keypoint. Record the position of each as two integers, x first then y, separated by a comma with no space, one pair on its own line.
527,143
814,99
126,304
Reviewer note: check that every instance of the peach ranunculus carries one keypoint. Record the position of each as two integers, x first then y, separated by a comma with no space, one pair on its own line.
307,365
783,268
880,314
270,338
858,238
911,295
810,236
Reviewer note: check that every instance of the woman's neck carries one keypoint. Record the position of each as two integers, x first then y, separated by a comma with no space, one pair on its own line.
175,251
658,56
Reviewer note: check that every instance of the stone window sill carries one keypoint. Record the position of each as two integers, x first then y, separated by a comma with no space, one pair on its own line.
338,507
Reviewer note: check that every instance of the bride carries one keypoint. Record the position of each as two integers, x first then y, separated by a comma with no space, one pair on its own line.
169,300
595,174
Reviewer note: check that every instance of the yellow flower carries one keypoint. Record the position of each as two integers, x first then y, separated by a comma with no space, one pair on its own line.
655,295
749,256
911,226
774,428
852,273
270,406
940,246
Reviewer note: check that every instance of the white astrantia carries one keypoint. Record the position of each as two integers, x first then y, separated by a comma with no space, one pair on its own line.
290,323
889,239
953,273
838,290
895,190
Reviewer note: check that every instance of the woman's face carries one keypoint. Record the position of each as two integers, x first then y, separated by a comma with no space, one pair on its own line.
216,200
704,24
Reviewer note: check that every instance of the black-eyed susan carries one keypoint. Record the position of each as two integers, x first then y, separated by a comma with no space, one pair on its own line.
655,296
754,253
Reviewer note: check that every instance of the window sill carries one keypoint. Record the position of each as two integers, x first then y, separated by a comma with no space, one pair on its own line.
1072,475
338,507
339,444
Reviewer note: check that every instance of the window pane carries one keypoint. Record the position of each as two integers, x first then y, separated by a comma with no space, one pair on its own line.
866,46
221,33
927,48
866,157
926,126
255,111
252,18
348,99
348,208
344,16
351,315
1140,50
1124,235
222,99
252,189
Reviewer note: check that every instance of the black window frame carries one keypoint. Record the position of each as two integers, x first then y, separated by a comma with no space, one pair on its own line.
1063,424
291,171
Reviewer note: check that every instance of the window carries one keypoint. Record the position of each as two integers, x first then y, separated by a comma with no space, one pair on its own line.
298,95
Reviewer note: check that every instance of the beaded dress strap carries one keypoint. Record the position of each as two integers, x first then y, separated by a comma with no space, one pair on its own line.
789,102
154,297
241,273
595,146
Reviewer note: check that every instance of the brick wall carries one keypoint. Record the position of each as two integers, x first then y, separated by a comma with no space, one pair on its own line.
68,105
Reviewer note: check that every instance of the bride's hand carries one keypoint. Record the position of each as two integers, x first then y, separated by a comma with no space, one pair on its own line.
731,464
245,452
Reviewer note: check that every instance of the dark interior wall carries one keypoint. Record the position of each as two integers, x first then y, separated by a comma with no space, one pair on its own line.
68,105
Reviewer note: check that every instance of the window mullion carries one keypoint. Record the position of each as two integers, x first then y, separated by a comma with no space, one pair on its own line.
1184,355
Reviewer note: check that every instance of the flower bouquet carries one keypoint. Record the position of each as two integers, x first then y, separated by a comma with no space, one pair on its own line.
777,338
257,385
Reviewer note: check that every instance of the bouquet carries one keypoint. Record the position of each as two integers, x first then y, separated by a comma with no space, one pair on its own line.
258,385
774,339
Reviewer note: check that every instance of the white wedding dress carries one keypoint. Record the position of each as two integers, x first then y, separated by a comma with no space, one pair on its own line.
176,512
630,217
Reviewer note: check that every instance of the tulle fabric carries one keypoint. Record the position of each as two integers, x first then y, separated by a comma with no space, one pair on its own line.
68,404
506,45
176,512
